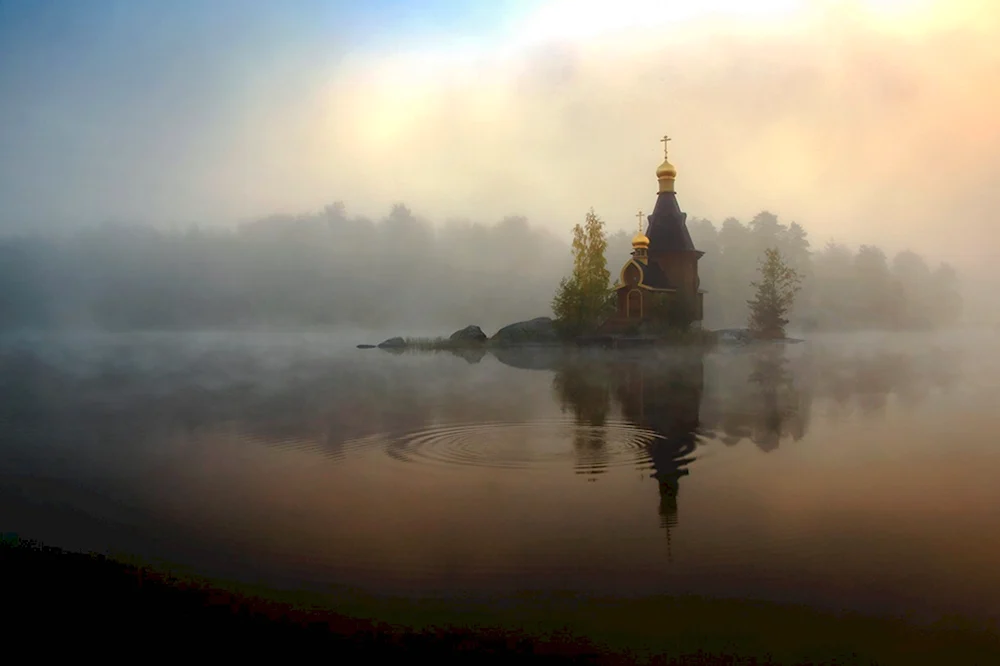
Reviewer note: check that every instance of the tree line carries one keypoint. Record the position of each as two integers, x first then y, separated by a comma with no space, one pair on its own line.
841,288
321,269
332,268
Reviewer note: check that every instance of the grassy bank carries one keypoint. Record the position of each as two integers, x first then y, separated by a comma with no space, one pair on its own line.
87,600
441,344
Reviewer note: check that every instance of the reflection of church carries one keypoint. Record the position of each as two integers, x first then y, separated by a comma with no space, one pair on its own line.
667,395
662,396
666,399
664,263
683,397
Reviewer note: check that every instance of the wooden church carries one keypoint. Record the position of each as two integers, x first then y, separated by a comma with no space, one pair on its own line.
664,262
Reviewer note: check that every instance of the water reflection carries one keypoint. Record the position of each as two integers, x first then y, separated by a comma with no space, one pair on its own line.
665,396
395,469
658,393
582,389
762,397
329,405
472,356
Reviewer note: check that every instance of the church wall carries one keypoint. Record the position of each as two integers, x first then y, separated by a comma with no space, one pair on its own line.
634,302
622,302
681,268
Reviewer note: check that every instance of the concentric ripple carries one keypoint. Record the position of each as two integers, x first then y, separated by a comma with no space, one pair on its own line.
522,445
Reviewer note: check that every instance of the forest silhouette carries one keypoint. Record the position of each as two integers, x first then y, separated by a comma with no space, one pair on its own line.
332,268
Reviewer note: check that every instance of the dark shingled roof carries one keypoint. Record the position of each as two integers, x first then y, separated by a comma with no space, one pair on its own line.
667,229
653,277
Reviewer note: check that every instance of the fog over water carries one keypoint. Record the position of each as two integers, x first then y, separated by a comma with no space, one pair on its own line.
849,471
206,207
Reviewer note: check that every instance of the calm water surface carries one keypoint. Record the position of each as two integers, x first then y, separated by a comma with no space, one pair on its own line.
852,472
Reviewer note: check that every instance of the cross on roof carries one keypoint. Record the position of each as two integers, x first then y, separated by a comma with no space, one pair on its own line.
664,141
640,216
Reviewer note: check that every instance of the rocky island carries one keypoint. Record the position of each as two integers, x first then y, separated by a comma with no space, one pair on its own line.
656,300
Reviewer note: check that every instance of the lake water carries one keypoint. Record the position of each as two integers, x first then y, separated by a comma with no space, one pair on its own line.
846,472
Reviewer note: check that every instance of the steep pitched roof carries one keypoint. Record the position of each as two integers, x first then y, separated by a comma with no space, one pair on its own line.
653,277
667,230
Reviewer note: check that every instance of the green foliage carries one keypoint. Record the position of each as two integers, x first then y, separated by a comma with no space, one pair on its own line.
775,294
669,311
582,300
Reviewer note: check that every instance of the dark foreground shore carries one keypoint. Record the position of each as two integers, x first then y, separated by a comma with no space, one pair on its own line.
94,605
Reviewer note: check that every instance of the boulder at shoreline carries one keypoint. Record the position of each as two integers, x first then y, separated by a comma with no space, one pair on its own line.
540,330
468,334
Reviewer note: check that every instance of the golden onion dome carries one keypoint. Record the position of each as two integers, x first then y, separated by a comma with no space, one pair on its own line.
666,170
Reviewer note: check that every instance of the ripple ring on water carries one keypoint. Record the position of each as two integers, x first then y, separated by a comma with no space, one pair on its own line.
522,445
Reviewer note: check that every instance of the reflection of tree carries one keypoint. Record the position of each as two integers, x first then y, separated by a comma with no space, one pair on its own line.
766,394
583,389
780,409
758,395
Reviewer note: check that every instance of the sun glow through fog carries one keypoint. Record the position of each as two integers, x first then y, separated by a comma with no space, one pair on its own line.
772,100
401,89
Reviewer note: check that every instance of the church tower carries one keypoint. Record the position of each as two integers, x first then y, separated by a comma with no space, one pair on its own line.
670,245
664,259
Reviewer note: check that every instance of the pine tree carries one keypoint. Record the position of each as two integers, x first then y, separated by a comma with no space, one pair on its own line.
775,293
583,298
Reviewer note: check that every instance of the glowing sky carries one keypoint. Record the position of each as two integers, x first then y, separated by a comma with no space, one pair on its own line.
866,120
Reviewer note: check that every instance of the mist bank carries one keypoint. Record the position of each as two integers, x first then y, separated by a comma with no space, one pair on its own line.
334,269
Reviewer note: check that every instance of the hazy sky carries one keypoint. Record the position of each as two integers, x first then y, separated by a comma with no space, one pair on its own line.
866,120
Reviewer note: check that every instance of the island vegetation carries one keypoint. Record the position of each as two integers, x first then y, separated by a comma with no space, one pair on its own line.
585,299
774,297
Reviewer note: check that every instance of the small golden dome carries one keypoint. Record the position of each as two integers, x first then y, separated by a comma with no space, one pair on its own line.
640,240
666,170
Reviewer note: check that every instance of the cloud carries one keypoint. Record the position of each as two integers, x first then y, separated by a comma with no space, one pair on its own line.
866,121
863,134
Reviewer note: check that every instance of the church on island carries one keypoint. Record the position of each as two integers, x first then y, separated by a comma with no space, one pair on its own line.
663,268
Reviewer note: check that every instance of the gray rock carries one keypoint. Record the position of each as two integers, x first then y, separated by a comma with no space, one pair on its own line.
468,334
540,330
393,343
